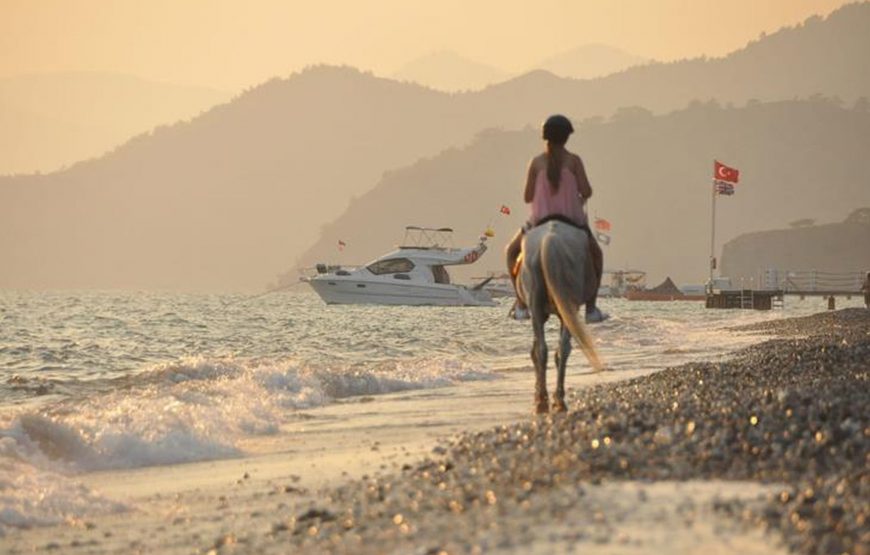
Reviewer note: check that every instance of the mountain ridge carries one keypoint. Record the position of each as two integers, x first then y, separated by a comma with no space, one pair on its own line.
51,120
232,197
590,60
448,71
837,247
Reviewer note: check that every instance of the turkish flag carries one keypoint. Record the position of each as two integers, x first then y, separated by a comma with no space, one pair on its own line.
724,173
506,210
602,225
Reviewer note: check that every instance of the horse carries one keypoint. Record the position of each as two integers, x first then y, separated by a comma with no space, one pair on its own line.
556,277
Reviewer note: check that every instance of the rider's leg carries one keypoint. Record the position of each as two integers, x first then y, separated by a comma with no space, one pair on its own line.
597,259
512,253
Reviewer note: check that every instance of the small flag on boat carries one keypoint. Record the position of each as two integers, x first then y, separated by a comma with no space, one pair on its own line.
723,187
341,245
489,232
602,225
506,210
721,172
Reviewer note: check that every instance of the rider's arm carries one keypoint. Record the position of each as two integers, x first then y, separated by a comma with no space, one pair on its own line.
529,193
582,181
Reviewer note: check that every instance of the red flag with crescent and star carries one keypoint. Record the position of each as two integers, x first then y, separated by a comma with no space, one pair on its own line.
602,225
721,172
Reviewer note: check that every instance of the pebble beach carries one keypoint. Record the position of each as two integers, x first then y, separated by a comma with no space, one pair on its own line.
791,412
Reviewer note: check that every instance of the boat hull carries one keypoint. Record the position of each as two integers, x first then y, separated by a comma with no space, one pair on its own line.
335,290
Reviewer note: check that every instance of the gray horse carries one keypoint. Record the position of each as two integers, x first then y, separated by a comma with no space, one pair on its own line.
556,277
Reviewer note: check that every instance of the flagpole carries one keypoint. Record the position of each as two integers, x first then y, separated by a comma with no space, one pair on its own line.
712,238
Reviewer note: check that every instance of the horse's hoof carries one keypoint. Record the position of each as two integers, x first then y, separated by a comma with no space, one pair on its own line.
596,316
518,313
560,406
542,408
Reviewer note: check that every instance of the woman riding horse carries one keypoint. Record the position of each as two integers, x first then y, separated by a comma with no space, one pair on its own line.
556,185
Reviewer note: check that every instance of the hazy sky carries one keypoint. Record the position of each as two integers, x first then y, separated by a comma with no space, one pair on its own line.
235,43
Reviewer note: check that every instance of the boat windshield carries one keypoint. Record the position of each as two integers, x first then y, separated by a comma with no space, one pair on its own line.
440,274
391,266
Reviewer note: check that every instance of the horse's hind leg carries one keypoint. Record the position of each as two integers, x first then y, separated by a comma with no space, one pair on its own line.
561,361
539,359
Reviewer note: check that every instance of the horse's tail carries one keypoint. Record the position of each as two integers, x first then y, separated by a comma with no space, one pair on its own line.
561,283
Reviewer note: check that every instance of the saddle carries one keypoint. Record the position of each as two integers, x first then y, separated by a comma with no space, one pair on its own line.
552,217
564,220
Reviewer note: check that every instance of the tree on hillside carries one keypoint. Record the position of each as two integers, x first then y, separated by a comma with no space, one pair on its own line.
860,216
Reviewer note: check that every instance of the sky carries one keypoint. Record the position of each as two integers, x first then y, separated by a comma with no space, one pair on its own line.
235,44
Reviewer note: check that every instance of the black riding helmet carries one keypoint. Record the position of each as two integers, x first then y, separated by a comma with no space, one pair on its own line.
557,128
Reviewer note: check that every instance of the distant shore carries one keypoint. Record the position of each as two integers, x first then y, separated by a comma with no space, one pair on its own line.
791,412
762,453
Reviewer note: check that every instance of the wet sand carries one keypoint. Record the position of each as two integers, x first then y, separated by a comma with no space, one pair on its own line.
757,454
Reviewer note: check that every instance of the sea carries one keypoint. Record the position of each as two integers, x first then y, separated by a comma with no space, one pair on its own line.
101,380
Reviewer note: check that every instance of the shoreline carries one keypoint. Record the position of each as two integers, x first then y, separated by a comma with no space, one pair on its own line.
380,491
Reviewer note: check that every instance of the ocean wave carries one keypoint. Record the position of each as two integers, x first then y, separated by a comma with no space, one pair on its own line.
198,409
195,409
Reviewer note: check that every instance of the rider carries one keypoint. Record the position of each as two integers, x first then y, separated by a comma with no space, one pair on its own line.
557,185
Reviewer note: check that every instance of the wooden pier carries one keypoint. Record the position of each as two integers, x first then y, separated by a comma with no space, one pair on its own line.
779,283
848,293
767,299
746,299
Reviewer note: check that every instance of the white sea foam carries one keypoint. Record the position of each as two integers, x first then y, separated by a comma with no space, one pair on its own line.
192,410
197,409
32,497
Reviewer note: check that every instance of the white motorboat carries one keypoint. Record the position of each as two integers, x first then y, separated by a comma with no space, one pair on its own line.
413,274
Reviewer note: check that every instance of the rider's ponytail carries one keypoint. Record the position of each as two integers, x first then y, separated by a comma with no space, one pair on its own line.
556,131
555,154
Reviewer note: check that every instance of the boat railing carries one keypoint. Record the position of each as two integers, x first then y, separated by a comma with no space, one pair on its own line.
321,269
417,237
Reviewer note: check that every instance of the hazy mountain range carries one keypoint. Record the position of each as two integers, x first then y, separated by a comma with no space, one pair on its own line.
448,71
651,177
51,120
589,61
227,200
234,196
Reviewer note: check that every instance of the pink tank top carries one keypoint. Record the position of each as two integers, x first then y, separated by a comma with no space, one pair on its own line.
564,202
